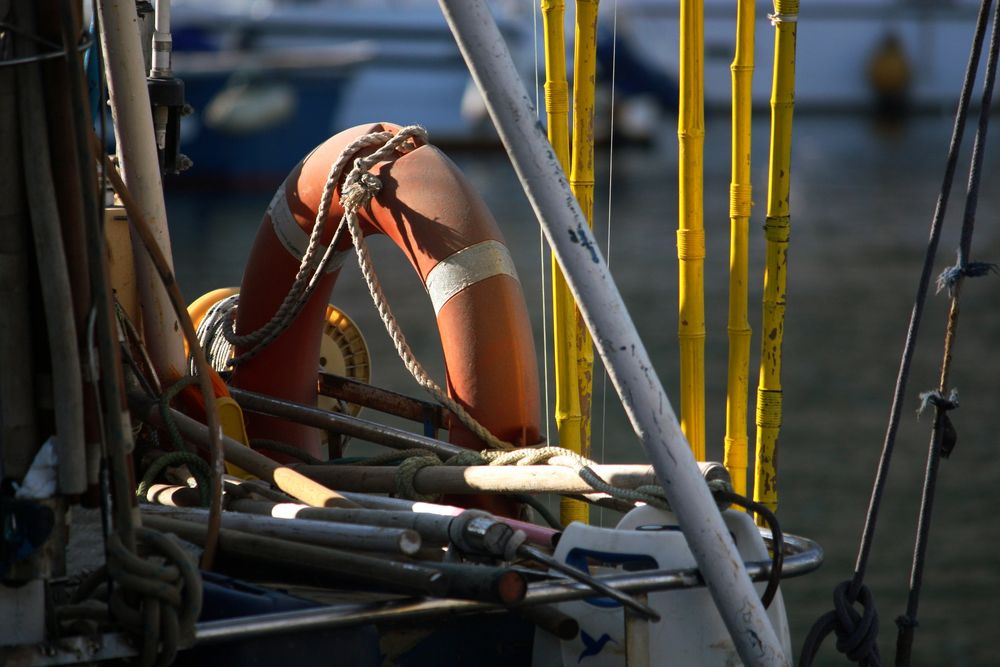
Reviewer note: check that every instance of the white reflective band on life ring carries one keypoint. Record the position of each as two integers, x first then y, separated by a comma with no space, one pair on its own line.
295,240
467,267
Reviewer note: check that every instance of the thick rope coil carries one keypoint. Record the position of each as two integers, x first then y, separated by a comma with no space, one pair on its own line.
158,602
212,333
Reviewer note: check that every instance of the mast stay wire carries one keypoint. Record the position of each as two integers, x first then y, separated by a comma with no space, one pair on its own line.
607,250
857,632
543,250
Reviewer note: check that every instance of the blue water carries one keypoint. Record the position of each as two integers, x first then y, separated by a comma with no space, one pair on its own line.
862,199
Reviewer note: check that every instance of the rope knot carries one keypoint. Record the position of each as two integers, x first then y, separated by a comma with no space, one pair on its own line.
857,633
951,276
938,400
359,191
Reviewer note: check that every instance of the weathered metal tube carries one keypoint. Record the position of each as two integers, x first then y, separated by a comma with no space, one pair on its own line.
352,536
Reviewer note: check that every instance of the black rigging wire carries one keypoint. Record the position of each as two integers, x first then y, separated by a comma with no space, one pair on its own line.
857,633
942,433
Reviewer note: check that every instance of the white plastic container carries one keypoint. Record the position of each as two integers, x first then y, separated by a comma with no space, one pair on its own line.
690,632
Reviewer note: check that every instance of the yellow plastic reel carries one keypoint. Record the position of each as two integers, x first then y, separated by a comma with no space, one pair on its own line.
343,351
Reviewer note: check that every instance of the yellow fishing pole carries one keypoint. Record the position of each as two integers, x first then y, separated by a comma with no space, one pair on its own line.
776,229
691,230
740,202
564,337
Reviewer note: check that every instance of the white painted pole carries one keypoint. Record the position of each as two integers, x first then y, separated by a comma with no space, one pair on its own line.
122,48
614,334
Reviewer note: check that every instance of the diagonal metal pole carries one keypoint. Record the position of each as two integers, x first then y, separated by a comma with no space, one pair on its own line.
614,334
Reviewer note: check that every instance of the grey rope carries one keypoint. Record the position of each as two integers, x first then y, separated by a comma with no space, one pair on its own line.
357,191
310,269
359,187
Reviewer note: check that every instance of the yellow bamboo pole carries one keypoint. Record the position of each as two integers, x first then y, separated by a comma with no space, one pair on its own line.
567,409
740,202
776,229
581,181
691,230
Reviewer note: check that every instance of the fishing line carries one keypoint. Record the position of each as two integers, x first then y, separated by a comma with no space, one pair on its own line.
542,249
607,252
543,252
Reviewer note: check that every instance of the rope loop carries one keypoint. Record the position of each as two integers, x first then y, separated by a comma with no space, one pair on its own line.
407,470
156,598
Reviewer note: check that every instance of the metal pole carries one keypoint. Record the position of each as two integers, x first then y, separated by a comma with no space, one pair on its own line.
140,166
350,536
614,333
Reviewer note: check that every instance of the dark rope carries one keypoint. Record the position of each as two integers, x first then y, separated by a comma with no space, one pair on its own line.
540,507
168,418
157,598
777,538
855,588
857,633
943,436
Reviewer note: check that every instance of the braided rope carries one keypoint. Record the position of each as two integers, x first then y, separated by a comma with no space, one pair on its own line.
359,187
310,270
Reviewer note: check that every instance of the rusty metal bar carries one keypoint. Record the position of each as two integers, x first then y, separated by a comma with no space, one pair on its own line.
383,400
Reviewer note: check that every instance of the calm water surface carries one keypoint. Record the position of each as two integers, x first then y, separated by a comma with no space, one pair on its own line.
862,199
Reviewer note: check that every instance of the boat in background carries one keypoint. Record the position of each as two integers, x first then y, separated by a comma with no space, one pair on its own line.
843,48
377,60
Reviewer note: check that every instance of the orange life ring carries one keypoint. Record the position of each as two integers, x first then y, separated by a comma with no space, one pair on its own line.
434,216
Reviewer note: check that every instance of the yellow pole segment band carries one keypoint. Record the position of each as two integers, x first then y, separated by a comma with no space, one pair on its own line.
735,455
690,235
777,230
